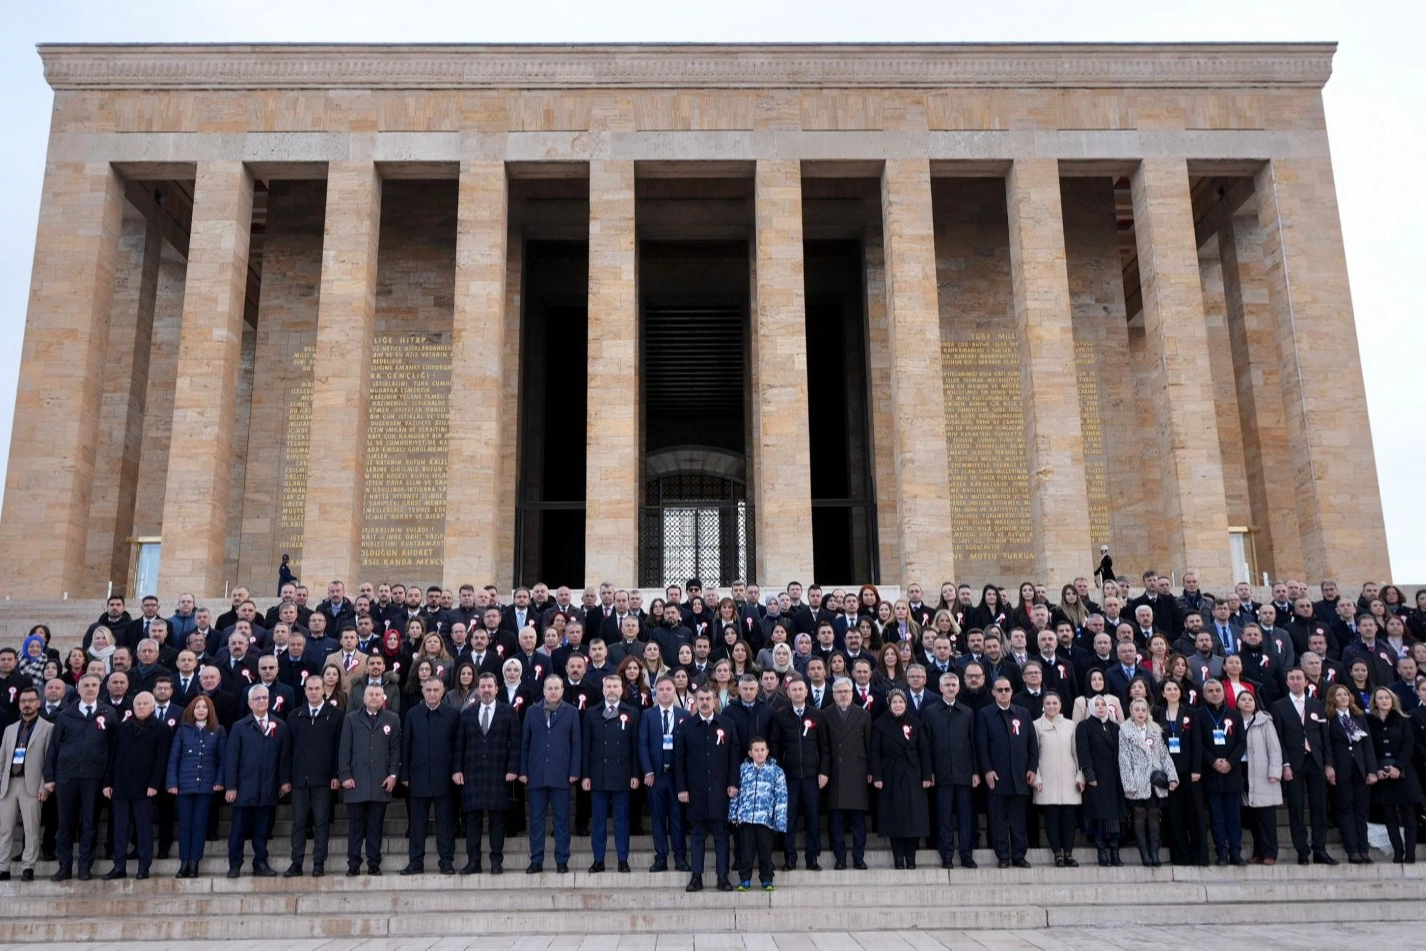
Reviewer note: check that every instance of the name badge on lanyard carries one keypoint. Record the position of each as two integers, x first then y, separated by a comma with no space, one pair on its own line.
1220,736
668,741
18,759
1175,745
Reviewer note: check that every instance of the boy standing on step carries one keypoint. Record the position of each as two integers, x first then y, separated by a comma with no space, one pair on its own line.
757,811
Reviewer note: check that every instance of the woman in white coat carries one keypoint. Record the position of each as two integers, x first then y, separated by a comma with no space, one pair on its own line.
1058,782
1142,752
1264,775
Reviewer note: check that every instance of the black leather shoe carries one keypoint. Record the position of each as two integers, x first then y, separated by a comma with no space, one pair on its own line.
496,868
814,866
724,885
597,867
446,868
373,870
968,861
947,863
413,869
318,870
85,875
534,868
4,876
789,865
293,871
624,867
263,870
353,872
1303,860
1322,858
63,875
1002,863
28,875
911,861
1237,861
840,864
112,874
859,864
562,868
470,868
659,866
234,872
695,883
681,865
142,874
899,865
1020,863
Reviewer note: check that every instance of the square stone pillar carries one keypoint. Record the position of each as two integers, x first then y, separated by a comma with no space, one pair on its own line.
1049,385
341,376
611,495
195,508
1324,399
1257,371
121,413
45,526
782,450
1193,503
473,512
918,392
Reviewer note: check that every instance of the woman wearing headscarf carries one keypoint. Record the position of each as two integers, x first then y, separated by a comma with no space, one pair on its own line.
900,763
1144,757
1097,746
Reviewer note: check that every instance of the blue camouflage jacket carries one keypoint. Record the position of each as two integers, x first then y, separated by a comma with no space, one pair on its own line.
762,796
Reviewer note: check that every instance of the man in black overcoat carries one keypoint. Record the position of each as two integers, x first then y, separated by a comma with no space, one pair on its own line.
706,763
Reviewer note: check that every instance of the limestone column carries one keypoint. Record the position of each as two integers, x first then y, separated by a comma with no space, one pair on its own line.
1049,385
45,525
341,375
473,511
1193,503
918,406
1324,398
195,508
782,450
121,413
611,495
1257,368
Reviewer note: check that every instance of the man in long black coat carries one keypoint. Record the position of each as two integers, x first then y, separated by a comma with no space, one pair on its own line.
610,771
1220,736
315,726
255,774
487,761
136,774
83,743
802,747
950,731
1301,723
705,769
428,741
1008,756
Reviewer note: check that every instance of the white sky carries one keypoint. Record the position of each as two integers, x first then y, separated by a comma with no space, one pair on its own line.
1375,104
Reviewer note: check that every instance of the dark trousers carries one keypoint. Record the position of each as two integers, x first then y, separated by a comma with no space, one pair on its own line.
1353,804
1225,818
1310,785
667,814
1400,821
600,803
1262,821
253,822
1007,825
78,813
955,820
698,842
311,808
549,799
193,809
497,835
420,812
1184,828
583,809
133,817
757,838
165,809
1059,827
515,815
49,824
837,825
364,825
803,800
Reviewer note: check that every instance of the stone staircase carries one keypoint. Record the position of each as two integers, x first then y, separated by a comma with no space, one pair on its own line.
927,898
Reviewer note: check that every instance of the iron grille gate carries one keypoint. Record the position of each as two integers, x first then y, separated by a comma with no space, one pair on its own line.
695,526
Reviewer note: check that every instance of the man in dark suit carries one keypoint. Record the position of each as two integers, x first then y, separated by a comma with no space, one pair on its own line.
487,760
368,762
185,678
297,663
950,732
550,759
800,742
748,714
656,741
80,750
1219,735
255,773
610,769
1301,723
428,741
1008,756
1124,670
849,774
316,728
705,766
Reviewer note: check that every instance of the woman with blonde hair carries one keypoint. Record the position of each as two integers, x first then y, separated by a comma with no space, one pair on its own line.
102,646
1148,774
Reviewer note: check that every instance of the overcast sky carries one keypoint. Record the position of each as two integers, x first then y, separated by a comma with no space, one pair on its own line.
1375,104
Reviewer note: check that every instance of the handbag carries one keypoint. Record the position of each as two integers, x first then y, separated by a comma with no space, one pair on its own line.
1159,779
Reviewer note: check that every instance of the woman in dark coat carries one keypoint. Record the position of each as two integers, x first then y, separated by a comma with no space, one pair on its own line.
901,772
1097,745
1397,791
1184,825
1354,766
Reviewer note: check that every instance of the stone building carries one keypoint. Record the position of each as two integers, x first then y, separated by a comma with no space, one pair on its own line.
575,313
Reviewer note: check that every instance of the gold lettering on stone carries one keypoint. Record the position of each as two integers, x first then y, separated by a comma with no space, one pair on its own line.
403,512
990,488
296,452
1096,463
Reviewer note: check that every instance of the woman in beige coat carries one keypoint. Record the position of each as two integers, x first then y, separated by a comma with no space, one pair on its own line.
1264,778
1059,782
1095,686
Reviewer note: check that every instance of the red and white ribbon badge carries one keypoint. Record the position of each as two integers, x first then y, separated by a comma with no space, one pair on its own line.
806,725
1015,725
906,729
386,728
99,722
721,734
623,721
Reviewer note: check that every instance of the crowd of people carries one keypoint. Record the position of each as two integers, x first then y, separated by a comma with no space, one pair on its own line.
1166,722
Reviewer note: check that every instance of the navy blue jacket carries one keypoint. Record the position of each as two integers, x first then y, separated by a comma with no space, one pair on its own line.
1008,750
314,745
256,764
651,758
706,761
140,760
550,755
611,748
82,748
195,760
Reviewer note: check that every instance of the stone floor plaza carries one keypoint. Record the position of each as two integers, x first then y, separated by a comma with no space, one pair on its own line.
499,314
